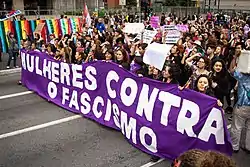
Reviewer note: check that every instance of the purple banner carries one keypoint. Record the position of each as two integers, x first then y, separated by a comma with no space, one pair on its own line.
155,117
154,21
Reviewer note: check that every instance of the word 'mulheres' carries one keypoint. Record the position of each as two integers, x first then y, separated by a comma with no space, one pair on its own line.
70,75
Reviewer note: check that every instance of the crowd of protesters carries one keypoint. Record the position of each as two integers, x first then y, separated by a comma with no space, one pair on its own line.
204,59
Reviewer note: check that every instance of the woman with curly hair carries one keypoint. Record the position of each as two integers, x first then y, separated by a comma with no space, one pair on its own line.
199,158
198,65
220,79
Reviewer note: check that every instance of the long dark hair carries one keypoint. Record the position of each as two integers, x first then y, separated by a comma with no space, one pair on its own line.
111,52
125,55
208,89
174,71
223,71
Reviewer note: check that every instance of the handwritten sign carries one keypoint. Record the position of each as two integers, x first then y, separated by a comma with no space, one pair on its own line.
173,36
146,36
122,2
169,27
182,28
154,21
133,28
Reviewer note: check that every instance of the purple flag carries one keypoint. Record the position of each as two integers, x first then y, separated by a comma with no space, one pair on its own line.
155,117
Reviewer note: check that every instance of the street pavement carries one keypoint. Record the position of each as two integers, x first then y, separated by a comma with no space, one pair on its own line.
77,142
5,57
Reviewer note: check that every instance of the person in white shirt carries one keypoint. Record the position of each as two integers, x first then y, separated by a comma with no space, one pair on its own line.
52,39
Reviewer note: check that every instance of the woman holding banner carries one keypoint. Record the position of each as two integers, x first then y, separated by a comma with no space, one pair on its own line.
171,74
121,58
220,79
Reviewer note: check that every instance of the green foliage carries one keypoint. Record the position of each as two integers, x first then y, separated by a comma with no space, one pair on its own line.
73,13
177,2
131,3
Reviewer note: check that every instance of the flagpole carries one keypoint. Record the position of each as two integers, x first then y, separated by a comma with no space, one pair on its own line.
97,6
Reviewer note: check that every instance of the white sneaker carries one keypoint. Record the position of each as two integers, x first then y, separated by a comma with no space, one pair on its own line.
8,67
17,66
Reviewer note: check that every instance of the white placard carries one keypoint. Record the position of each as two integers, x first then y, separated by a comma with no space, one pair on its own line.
170,27
122,2
133,28
148,36
244,62
173,36
156,55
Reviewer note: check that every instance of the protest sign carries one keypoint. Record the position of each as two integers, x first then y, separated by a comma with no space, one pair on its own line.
148,36
122,2
173,36
154,21
138,36
169,27
244,62
182,28
155,117
133,28
156,54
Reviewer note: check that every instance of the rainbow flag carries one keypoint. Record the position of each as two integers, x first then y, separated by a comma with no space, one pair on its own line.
63,27
27,27
23,29
3,37
78,24
73,25
50,27
6,30
18,32
33,27
56,27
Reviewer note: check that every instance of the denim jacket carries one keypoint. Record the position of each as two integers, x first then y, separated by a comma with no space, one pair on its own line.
243,88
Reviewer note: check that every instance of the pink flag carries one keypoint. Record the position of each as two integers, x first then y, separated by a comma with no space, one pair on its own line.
86,15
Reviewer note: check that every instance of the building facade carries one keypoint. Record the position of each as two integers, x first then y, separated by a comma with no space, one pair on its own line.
224,4
74,5
63,5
